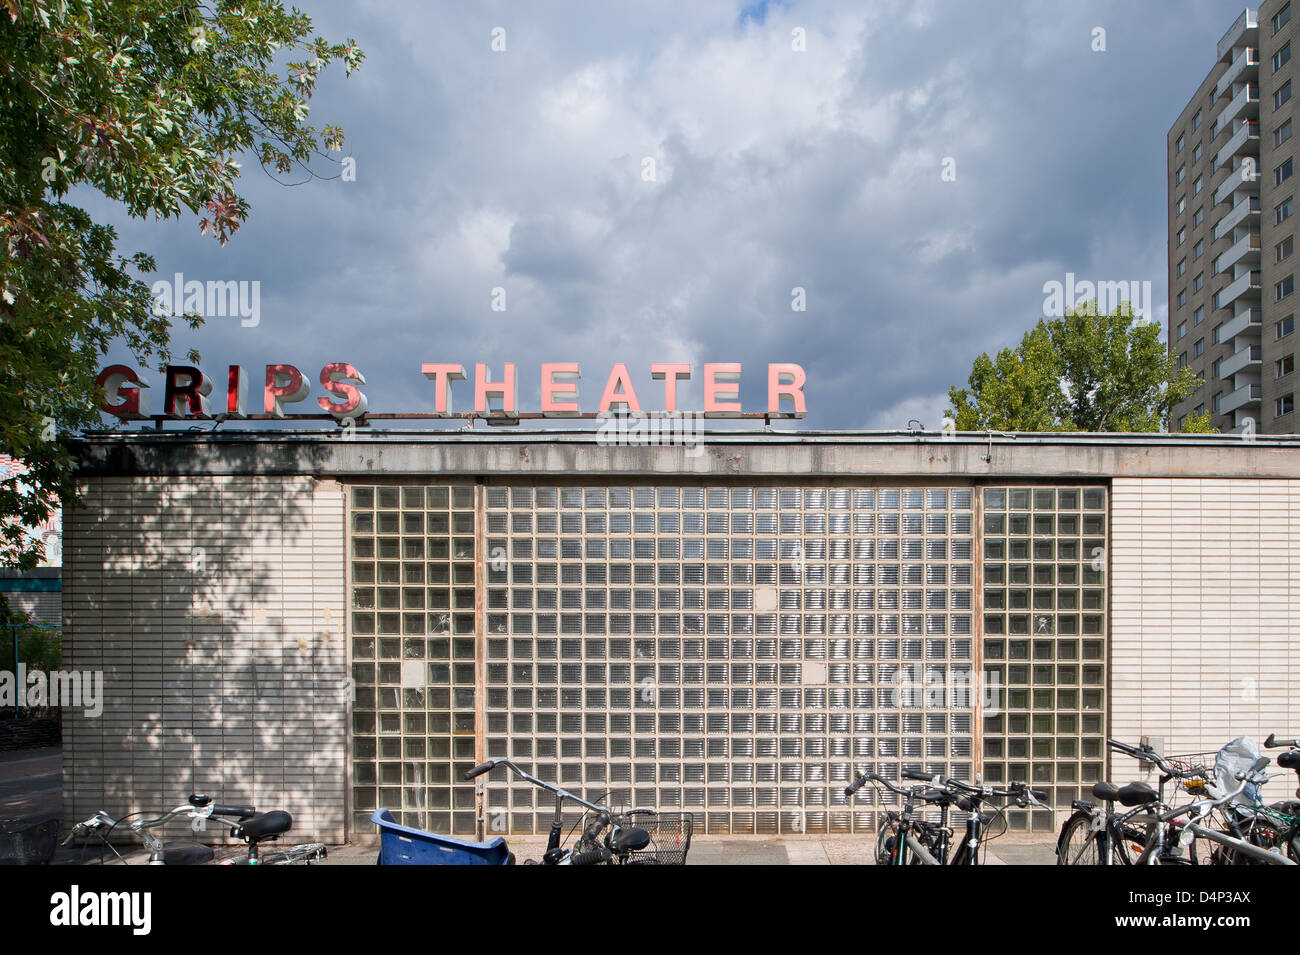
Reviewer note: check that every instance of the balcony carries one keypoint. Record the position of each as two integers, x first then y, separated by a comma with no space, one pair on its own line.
1247,247
1248,284
1239,33
1251,319
1244,176
1244,140
1249,394
1247,59
1246,207
1244,103
1248,357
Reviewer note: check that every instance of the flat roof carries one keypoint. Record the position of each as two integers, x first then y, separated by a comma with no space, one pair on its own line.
715,453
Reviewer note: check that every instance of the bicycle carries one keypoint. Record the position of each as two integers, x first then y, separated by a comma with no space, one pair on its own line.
929,843
636,837
1276,826
1095,834
245,823
1157,851
902,839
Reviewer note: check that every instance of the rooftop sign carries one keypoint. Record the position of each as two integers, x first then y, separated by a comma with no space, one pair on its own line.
188,393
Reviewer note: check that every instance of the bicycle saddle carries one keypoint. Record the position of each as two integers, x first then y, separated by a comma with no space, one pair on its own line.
631,839
265,825
1291,807
181,854
1290,760
1107,792
1137,794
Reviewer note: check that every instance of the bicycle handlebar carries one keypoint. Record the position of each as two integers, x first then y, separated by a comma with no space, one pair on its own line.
1146,754
948,787
857,784
1274,743
595,856
492,764
874,778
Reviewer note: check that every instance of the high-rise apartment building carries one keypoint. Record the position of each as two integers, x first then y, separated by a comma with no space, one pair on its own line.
1232,215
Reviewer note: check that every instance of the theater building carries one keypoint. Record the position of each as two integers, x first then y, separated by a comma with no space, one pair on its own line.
334,621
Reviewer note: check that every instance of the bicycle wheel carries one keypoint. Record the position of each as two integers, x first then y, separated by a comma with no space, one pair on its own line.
1261,833
1130,845
1078,844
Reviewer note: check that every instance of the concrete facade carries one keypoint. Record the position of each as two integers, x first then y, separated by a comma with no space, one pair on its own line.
225,585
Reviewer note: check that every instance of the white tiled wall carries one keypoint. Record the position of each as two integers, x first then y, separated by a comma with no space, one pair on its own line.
215,608
1205,578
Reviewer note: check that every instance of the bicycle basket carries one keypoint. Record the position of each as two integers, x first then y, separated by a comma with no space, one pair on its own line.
670,837
1188,763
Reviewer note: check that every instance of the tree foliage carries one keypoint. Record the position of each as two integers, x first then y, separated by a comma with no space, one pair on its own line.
149,102
1085,371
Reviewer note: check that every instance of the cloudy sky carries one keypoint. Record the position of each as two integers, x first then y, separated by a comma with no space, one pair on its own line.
773,168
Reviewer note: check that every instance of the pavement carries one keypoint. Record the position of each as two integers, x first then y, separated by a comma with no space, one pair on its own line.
31,785
31,790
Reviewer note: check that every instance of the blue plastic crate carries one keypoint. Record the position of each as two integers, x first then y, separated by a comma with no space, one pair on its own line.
402,845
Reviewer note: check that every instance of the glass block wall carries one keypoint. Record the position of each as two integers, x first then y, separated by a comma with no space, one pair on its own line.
1044,640
412,627
737,651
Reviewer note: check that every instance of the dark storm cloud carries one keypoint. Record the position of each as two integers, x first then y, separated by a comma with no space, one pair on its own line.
773,169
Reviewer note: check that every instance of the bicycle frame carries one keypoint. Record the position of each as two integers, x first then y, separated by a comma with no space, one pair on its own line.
905,841
949,791
1110,827
554,854
968,853
1154,846
142,827
1191,829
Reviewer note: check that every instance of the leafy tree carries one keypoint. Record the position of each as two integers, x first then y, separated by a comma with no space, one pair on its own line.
38,648
150,102
1086,371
